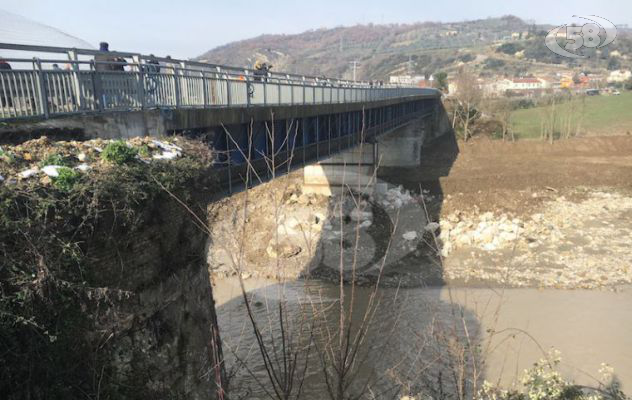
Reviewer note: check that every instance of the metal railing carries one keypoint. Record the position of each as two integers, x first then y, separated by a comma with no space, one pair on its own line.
119,81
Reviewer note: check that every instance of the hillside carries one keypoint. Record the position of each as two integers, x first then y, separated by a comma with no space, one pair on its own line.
421,48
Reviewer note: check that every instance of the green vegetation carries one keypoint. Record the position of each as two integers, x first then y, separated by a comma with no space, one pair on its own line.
51,291
544,382
509,48
6,157
601,115
441,81
493,63
119,152
56,159
144,151
66,179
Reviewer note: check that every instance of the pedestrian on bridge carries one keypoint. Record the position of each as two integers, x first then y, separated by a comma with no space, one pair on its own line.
105,62
4,65
261,70
5,96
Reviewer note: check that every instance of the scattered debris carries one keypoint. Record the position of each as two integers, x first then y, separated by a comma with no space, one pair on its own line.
28,159
166,155
51,170
396,198
283,250
83,167
359,215
28,173
412,235
432,227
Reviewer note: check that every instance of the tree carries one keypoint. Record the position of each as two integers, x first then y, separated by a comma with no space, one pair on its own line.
441,81
614,64
509,48
501,109
494,63
468,97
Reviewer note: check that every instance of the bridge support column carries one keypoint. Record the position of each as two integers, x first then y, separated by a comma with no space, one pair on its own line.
351,169
402,147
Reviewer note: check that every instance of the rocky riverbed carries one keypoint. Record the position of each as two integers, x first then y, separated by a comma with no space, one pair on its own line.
576,239
489,213
566,243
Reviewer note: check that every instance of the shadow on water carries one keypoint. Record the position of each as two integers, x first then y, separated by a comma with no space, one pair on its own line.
404,341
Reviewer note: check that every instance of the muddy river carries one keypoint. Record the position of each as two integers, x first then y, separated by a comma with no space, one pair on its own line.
410,332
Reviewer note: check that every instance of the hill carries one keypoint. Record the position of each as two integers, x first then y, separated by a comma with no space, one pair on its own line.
420,48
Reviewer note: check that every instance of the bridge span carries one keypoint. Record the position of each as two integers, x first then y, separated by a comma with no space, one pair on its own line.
280,119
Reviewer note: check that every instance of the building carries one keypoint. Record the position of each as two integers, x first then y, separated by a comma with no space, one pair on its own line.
411,80
526,84
619,76
523,86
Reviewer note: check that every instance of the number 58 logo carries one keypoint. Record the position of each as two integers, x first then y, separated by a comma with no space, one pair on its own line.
588,35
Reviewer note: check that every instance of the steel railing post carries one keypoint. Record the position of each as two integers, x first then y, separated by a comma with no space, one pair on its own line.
204,90
72,56
43,94
249,91
176,84
228,99
140,87
96,87
230,166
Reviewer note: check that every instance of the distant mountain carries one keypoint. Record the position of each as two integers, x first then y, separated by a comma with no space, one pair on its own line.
420,48
379,49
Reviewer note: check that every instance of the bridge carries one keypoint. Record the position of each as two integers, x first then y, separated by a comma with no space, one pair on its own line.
275,118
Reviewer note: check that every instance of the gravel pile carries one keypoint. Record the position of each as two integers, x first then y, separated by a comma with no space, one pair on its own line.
584,244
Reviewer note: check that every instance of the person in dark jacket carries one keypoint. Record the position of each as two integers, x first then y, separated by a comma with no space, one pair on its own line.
5,97
261,70
153,66
4,65
107,62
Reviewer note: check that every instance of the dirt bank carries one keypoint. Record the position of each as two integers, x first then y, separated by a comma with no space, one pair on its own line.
104,292
531,213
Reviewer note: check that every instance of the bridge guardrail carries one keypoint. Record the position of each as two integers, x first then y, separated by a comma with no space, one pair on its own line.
40,88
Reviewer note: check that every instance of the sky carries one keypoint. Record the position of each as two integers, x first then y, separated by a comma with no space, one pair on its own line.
188,28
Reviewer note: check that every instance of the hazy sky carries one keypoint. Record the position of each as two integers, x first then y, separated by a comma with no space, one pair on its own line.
188,28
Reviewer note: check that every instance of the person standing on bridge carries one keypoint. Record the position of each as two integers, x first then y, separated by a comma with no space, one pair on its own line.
5,96
105,62
4,65
261,70
152,65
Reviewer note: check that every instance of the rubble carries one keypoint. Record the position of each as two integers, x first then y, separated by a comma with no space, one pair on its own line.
28,172
567,244
395,198
51,170
412,235
359,215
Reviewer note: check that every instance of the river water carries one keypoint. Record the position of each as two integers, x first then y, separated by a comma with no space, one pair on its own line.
414,331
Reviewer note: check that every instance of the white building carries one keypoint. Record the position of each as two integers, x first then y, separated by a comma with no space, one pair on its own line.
619,76
411,80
